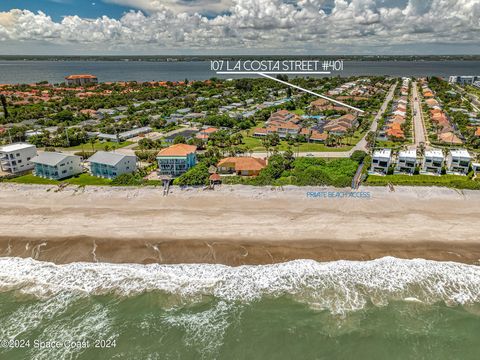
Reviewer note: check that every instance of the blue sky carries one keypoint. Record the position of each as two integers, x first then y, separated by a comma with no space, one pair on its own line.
57,9
239,27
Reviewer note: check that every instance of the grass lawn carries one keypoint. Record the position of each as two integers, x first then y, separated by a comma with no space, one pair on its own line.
299,112
451,181
256,145
31,179
80,180
98,146
87,179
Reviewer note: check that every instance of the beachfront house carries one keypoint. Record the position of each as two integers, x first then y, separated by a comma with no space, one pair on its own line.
56,166
381,162
433,161
16,158
406,162
244,166
176,159
458,162
110,165
476,168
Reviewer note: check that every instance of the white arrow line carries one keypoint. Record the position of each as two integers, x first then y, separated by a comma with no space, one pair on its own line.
311,92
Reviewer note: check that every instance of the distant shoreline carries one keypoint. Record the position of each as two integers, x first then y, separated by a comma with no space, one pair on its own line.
182,58
236,225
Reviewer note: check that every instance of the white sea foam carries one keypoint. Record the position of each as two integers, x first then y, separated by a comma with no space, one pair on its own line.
338,286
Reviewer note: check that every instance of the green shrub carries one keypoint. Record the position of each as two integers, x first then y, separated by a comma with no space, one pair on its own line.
128,180
198,175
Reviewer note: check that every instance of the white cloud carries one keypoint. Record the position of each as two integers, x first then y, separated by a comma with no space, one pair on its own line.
257,24
190,6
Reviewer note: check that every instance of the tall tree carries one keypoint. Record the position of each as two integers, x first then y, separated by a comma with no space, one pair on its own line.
4,105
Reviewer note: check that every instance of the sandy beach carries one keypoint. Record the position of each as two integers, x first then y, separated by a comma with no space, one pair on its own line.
236,225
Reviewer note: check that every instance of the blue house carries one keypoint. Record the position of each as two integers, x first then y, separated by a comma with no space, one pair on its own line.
109,165
176,159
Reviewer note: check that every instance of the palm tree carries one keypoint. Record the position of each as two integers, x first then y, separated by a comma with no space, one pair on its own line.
92,142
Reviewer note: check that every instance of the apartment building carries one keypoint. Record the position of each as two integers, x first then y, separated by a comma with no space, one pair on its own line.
433,162
406,162
458,162
109,165
381,161
16,158
56,166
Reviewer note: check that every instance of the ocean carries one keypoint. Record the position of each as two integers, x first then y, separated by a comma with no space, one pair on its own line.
24,72
382,309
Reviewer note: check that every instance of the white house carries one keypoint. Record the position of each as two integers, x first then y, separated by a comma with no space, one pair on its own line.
16,158
381,161
406,162
110,165
433,161
56,166
458,162
476,168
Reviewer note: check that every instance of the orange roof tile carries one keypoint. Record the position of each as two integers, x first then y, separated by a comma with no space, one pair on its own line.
244,163
178,150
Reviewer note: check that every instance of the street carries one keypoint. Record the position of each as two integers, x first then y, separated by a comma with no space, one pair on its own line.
418,123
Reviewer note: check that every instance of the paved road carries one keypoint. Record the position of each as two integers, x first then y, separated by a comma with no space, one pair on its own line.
361,145
418,122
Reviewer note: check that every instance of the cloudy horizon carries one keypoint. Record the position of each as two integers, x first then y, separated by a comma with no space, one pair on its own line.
215,27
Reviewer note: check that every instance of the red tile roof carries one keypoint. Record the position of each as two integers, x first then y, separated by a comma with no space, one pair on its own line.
244,163
178,150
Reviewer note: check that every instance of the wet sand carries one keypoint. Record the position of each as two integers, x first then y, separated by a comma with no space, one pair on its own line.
236,225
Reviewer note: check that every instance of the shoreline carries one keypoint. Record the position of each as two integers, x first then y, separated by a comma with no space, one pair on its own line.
236,225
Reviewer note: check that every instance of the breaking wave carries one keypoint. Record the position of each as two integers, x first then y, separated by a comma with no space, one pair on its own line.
338,286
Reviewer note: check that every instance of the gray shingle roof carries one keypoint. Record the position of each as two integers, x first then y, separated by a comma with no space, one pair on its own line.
50,158
107,158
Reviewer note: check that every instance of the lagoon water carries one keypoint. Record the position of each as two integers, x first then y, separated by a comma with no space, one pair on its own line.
383,309
20,72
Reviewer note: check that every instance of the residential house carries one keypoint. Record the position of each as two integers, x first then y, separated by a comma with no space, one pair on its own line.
16,158
341,125
245,166
84,79
56,166
205,133
186,134
406,162
381,161
458,162
110,165
176,159
126,134
433,161
476,168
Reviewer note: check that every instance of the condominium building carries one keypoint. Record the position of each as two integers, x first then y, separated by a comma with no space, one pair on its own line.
176,159
56,166
406,162
16,158
433,161
381,161
458,162
110,165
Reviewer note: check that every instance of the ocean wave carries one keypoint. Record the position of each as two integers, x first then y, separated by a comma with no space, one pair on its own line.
338,286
